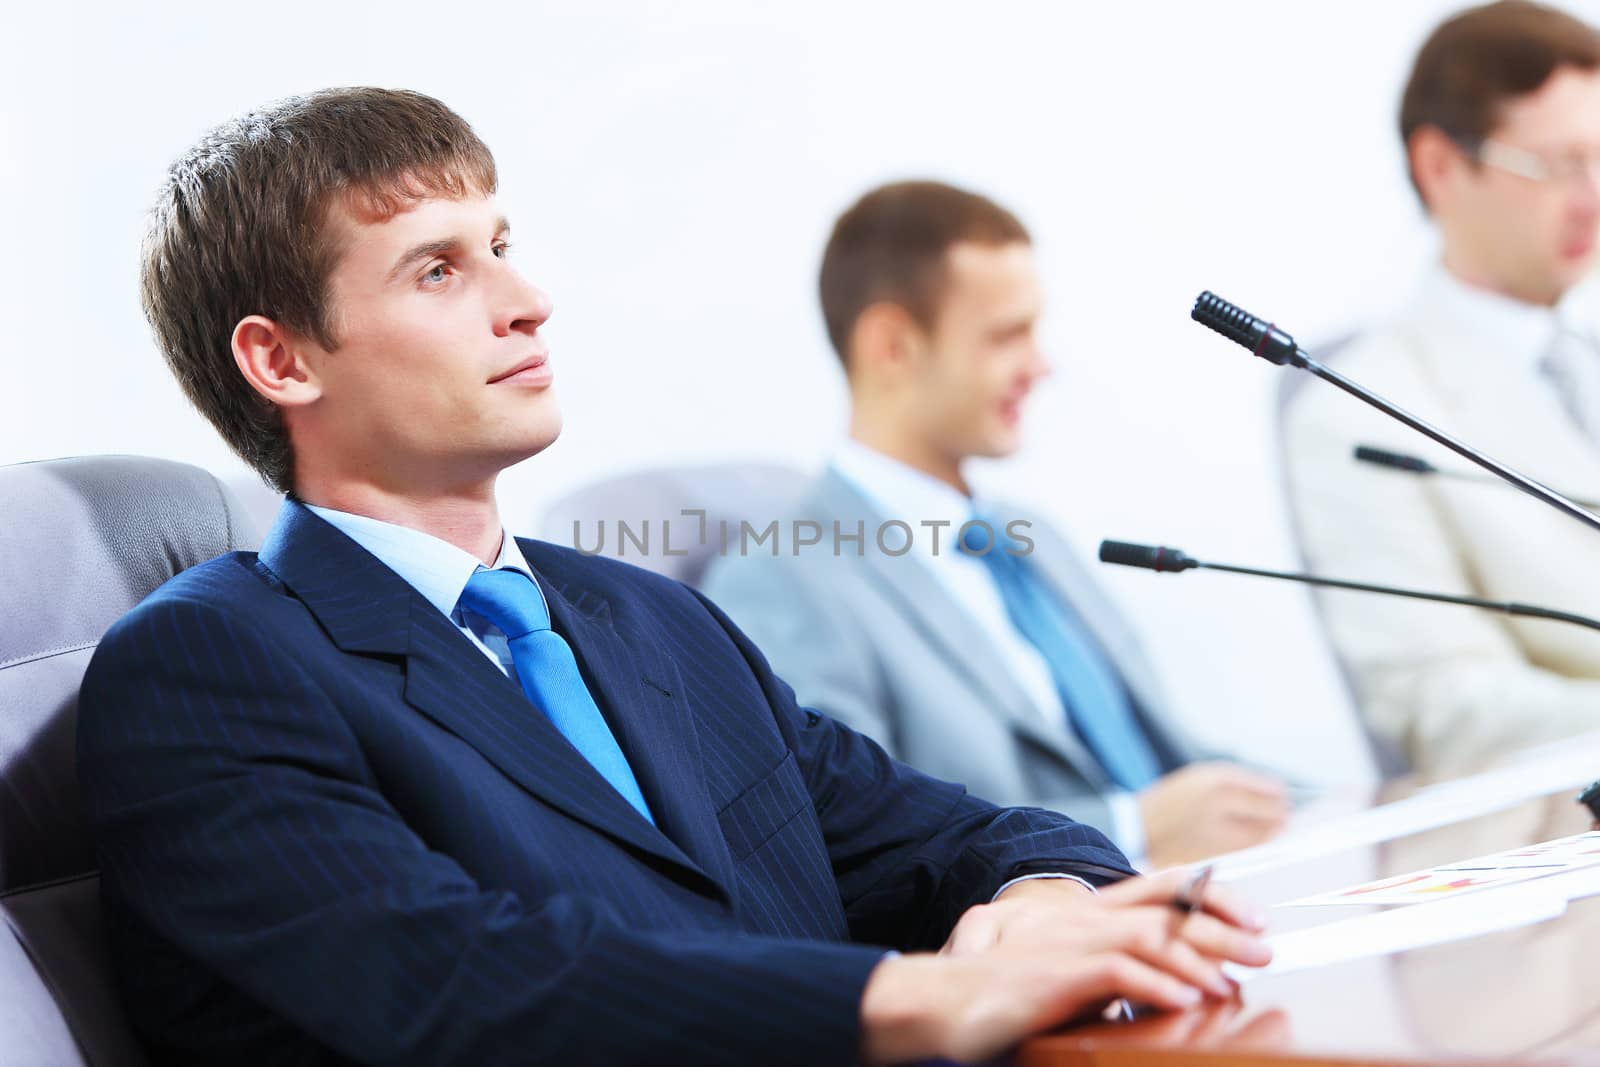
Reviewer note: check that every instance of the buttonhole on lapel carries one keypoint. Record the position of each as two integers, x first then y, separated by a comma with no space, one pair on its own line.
657,686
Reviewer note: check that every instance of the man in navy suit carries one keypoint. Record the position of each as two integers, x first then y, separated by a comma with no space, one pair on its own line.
402,788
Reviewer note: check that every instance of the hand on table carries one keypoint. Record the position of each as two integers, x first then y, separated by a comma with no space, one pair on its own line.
1206,809
1050,951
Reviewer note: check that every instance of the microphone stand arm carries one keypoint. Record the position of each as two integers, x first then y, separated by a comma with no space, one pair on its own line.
1507,607
1500,470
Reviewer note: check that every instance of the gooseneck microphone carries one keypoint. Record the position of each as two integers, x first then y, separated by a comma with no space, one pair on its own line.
1239,326
1274,345
1172,560
1401,461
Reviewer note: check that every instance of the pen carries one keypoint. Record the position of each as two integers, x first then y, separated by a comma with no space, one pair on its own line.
1191,895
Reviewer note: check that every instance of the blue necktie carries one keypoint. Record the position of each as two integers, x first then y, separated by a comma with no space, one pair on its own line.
549,672
1097,703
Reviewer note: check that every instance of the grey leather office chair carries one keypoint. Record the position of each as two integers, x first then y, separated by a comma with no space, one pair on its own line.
81,541
726,492
259,504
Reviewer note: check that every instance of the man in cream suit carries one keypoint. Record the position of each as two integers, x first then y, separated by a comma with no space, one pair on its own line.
1501,122
961,633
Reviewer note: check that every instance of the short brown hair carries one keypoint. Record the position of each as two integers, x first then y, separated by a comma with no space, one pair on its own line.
239,228
890,246
1484,57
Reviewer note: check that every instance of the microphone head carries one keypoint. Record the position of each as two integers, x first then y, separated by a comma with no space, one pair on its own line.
1150,557
1241,327
1399,461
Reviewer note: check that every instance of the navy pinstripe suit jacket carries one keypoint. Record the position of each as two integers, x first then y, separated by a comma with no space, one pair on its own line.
332,831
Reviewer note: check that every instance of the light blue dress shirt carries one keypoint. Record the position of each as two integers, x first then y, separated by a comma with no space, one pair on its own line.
436,569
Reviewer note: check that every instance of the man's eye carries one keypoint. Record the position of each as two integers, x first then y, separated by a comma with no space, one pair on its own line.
435,275
502,249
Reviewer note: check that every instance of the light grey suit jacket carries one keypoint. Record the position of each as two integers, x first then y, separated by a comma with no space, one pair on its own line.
876,642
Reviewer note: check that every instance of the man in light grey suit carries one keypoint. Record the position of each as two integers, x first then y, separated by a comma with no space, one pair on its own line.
1499,344
964,636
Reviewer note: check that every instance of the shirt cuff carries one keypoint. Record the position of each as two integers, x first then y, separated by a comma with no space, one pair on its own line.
1031,877
1127,827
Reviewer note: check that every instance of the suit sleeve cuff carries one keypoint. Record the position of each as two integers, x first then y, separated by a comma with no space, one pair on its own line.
1032,877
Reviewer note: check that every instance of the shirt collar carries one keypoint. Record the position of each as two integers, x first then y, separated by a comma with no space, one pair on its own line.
1512,330
433,567
900,491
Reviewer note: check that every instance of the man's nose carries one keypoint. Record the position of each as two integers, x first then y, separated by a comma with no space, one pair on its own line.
1039,365
521,305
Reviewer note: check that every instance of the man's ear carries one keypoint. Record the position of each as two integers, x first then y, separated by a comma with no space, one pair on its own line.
274,362
1436,161
884,342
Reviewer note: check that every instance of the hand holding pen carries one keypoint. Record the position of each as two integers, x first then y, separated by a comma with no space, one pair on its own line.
1191,894
1171,932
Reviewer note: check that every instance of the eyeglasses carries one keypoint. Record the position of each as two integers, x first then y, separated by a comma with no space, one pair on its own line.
1566,167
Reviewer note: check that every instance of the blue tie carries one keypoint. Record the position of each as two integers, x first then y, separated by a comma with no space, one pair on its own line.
1097,703
549,672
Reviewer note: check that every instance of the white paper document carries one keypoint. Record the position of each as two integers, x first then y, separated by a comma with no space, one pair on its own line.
1448,880
1401,929
1567,765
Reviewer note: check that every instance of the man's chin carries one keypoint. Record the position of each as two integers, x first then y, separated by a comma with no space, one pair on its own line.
533,444
1584,267
1570,274
1001,444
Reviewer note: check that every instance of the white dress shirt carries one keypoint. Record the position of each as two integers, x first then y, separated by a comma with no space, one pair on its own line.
1560,346
914,497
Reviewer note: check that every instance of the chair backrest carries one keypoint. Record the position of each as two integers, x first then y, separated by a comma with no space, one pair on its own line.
259,503
641,517
81,541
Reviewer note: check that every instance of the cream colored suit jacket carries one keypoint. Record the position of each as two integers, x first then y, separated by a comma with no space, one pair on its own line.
1453,687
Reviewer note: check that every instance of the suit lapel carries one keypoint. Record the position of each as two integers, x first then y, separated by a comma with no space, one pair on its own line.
1540,438
362,604
641,692
930,610
366,608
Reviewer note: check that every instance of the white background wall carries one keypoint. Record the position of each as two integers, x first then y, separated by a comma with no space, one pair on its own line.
671,170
